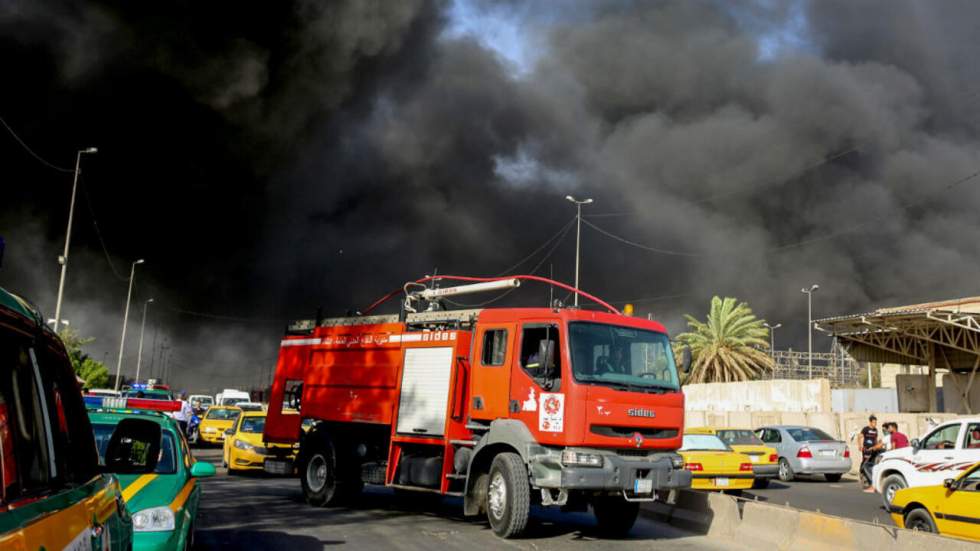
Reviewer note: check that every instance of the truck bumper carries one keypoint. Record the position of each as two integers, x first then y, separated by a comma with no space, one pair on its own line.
656,472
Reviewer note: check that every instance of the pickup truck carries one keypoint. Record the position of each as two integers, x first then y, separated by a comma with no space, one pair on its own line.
945,452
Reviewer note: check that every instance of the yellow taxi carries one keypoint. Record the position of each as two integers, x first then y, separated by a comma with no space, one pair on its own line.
714,465
765,460
244,448
216,421
952,509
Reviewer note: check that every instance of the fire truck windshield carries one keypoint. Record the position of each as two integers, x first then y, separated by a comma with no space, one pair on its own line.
622,357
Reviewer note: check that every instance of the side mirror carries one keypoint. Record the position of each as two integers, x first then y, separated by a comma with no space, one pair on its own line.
134,447
686,359
915,444
950,483
546,352
229,432
202,469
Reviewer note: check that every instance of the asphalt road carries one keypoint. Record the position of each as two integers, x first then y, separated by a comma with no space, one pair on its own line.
843,499
263,512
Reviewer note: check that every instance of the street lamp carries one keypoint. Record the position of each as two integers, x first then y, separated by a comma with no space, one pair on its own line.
772,337
122,340
578,236
63,259
139,356
809,326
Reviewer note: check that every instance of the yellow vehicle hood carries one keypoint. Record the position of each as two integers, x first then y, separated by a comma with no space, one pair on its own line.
720,462
217,424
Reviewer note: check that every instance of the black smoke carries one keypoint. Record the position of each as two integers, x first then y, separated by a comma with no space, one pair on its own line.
268,159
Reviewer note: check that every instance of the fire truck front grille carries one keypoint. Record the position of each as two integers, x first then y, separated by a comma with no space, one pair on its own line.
647,433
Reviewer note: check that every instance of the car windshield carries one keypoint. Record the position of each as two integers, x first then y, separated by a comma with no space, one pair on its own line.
739,437
222,414
808,434
622,357
167,464
253,424
703,442
232,401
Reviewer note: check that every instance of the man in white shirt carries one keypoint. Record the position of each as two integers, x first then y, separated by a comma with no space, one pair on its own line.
184,414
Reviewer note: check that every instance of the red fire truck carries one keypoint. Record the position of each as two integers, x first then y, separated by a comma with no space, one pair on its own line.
504,407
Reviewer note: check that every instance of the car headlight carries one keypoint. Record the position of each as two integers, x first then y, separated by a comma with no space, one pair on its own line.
210,429
571,458
242,445
155,519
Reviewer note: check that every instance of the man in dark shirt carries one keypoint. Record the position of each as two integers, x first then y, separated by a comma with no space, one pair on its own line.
869,448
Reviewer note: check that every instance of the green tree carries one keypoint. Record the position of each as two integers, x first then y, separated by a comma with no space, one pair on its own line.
730,346
94,373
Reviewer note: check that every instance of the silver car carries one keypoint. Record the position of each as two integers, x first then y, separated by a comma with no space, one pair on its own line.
806,450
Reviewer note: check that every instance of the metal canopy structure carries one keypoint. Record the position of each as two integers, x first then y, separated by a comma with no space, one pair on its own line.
939,335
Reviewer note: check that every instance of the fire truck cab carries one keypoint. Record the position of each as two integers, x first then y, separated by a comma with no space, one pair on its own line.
505,407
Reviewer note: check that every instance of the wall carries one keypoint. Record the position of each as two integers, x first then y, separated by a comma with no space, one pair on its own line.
760,396
880,400
953,388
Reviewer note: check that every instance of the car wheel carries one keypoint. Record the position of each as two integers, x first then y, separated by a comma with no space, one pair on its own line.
508,495
760,483
889,486
786,473
835,477
614,515
920,519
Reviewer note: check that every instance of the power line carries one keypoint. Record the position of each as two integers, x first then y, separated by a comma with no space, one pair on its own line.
221,317
639,245
31,151
561,232
98,233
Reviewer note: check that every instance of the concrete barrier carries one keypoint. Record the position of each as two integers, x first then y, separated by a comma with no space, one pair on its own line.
764,525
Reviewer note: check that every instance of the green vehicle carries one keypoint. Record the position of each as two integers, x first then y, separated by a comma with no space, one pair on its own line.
164,503
54,493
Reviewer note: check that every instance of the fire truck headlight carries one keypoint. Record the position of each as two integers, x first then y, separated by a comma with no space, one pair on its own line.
242,445
572,458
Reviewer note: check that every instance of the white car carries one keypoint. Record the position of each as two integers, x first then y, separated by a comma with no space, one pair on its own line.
943,453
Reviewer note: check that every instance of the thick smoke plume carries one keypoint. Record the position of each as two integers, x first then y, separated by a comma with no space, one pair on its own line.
270,160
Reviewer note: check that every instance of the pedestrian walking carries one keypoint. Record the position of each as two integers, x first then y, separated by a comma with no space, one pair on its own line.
184,414
870,446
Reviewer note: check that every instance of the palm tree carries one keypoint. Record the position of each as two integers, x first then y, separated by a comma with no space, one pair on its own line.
730,346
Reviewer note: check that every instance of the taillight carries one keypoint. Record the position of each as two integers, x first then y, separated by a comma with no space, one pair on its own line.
773,458
745,467
804,453
694,466
847,452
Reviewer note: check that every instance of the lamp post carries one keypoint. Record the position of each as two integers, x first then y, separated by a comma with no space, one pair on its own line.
578,236
139,356
122,340
63,259
772,337
809,326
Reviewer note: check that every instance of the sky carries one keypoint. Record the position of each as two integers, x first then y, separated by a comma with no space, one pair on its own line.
270,161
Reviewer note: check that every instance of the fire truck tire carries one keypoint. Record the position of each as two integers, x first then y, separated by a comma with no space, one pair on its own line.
508,495
614,515
318,473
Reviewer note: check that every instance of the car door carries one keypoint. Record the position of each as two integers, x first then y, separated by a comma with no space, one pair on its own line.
936,457
773,439
959,514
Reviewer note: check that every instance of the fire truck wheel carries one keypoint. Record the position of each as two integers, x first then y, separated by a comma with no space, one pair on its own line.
508,495
614,515
318,473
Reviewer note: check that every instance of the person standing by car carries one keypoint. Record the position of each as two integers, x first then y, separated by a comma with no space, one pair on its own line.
184,414
898,440
870,445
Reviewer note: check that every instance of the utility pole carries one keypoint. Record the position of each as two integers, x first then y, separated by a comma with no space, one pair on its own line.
809,326
122,340
63,260
578,236
772,337
139,356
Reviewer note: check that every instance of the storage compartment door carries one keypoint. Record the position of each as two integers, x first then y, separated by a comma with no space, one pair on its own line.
425,391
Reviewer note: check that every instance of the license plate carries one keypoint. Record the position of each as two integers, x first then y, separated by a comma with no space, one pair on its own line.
642,486
274,466
721,482
828,453
754,458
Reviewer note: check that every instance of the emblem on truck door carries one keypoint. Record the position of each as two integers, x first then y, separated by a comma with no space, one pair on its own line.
640,412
